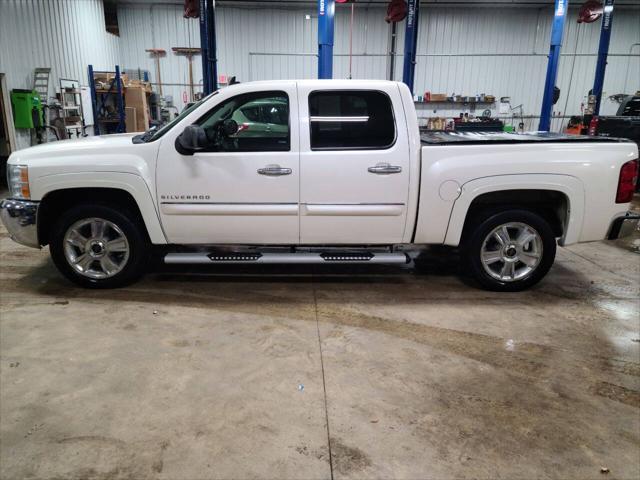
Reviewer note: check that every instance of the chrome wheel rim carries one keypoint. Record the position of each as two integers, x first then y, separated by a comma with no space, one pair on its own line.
511,252
96,248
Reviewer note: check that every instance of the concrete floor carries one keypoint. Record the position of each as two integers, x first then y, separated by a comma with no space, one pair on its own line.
318,373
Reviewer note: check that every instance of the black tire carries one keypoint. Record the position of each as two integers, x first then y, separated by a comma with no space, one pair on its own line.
130,226
474,238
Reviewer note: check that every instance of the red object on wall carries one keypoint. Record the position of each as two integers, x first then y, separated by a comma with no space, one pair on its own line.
191,9
590,11
396,11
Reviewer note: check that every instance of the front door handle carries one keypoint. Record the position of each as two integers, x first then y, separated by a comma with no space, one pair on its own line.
274,171
384,169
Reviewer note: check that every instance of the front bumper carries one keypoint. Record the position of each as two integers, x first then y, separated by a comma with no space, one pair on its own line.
624,226
20,218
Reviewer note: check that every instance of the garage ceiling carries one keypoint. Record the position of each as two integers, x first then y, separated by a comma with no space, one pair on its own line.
307,3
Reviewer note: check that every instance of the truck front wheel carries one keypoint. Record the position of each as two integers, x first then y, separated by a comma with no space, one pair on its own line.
97,246
510,251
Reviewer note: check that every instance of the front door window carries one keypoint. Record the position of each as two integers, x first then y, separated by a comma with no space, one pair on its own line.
260,121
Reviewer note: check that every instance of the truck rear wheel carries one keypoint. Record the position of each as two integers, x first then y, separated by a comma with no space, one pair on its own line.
96,246
510,251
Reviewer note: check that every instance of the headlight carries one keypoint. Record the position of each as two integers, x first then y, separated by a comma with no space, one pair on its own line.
18,180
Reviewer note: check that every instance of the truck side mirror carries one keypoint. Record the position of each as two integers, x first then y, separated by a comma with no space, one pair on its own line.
229,127
192,139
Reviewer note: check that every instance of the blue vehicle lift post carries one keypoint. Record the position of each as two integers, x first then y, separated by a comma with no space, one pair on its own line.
326,12
557,29
603,51
410,43
208,46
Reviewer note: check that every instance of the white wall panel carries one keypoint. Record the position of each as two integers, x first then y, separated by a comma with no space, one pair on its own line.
504,52
160,26
65,35
463,50
468,50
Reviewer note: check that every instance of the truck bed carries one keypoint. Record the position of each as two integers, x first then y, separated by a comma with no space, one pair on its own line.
473,138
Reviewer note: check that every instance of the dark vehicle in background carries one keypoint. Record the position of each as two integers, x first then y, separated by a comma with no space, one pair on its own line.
624,124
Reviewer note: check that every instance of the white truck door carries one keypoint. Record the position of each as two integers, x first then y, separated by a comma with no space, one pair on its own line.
245,189
354,164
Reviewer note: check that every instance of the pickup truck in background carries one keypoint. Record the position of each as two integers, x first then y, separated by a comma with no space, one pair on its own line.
624,124
316,171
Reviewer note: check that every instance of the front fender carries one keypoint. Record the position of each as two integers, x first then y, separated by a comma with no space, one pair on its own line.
129,182
570,186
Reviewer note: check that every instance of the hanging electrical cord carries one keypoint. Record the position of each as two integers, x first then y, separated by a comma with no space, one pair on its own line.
351,40
573,64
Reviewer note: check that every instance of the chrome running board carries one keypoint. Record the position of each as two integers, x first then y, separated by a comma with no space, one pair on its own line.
291,258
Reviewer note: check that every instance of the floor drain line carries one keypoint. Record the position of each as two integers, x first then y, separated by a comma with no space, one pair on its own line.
324,383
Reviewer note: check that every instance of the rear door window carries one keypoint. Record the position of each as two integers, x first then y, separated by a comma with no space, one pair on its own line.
351,119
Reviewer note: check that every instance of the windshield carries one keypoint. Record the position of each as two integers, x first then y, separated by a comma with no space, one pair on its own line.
155,133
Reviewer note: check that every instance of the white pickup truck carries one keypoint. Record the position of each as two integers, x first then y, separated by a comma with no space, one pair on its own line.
316,171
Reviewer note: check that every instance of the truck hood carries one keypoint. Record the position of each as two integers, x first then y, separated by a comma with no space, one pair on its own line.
109,153
80,148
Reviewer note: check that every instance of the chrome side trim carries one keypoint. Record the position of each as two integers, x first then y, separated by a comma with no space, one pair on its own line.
274,171
229,208
384,169
364,118
354,210
279,258
20,219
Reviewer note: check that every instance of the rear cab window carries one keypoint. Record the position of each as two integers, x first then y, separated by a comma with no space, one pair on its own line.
351,120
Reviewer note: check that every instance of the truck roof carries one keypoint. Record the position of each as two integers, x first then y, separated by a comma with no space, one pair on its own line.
347,84
478,138
346,81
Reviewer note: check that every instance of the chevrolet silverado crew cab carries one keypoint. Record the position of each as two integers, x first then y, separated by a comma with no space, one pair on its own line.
316,171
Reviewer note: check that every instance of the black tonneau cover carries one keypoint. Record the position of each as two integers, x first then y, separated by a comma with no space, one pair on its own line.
477,138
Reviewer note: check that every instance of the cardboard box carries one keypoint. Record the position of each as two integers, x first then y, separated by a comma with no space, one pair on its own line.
130,119
438,97
136,97
107,77
140,84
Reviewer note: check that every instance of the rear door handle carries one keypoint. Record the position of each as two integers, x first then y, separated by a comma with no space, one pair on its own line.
384,169
274,171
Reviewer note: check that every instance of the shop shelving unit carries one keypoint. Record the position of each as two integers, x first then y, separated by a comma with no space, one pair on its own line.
105,121
71,107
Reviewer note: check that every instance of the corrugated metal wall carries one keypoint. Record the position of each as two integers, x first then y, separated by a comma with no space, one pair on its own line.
466,50
160,26
504,52
65,35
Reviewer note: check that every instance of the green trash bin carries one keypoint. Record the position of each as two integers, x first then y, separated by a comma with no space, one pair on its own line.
27,109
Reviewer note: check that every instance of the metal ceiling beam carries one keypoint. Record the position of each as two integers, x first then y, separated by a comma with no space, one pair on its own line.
208,45
410,43
603,51
326,12
384,3
557,29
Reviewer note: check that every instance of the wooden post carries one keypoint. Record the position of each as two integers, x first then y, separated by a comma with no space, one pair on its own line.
188,52
157,53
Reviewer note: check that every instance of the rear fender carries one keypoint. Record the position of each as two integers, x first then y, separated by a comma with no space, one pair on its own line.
570,186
